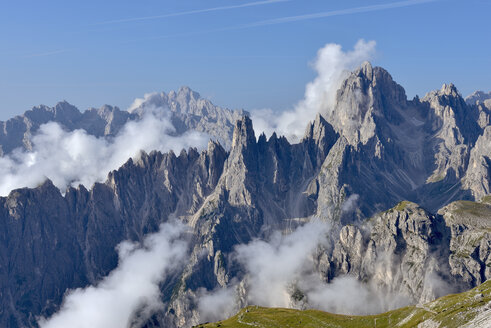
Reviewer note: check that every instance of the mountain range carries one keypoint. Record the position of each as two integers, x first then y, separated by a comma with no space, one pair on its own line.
402,184
186,110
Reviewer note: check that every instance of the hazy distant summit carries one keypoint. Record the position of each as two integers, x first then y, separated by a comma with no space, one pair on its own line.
186,108
478,96
189,111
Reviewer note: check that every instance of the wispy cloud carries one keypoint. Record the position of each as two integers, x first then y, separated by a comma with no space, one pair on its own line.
192,12
280,20
130,294
339,12
290,19
76,157
332,66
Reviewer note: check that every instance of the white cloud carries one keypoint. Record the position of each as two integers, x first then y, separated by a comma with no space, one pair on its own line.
284,265
149,99
73,158
332,66
217,304
347,295
273,265
270,267
350,203
130,293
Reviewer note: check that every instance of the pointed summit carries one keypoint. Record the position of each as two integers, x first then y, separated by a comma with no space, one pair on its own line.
187,93
243,133
449,90
320,137
477,96
65,108
368,98
240,171
320,131
367,70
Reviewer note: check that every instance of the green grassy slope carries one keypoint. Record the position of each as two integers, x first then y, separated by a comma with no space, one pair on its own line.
470,309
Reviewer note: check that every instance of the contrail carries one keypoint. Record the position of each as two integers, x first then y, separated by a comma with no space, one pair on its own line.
192,12
281,20
340,12
290,19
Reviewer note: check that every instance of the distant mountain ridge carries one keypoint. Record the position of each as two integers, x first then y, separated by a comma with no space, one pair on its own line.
478,96
187,111
375,155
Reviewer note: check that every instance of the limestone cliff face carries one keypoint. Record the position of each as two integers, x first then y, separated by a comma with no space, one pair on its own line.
366,101
399,251
262,189
470,244
478,175
49,243
409,252
391,149
215,192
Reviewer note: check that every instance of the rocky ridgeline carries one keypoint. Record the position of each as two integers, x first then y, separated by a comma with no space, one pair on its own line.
478,97
371,151
186,109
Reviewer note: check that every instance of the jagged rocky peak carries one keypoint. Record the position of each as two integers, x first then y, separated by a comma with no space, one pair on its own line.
243,133
449,90
377,83
320,137
448,102
191,112
65,108
105,111
318,129
241,166
383,83
449,113
477,97
62,111
448,95
187,94
212,145
185,108
366,100
185,100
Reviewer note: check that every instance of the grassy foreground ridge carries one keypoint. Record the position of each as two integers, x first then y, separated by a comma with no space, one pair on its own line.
468,309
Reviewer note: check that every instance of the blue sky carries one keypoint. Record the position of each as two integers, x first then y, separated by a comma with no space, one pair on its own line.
239,54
